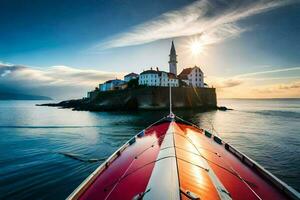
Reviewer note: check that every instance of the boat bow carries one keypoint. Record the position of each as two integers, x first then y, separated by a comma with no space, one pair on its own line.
173,159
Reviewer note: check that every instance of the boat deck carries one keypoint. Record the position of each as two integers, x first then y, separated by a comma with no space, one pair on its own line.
175,160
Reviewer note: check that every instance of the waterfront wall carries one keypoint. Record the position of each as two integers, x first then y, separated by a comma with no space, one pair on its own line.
154,98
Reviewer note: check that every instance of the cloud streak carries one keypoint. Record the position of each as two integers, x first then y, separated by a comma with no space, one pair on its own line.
280,88
268,72
214,22
55,81
220,82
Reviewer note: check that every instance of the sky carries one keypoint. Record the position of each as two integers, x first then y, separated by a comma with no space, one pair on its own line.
64,48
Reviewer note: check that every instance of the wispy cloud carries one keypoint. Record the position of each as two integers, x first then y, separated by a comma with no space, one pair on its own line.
221,83
214,21
5,72
54,81
233,81
280,88
268,72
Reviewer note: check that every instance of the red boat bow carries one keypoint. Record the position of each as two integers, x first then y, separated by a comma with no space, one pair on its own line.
173,159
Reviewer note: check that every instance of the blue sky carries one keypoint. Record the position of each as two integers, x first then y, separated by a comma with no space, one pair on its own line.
63,48
35,32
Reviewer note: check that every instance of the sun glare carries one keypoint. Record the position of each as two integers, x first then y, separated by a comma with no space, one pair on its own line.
196,47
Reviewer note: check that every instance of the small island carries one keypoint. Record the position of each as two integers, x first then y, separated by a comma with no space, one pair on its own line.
149,90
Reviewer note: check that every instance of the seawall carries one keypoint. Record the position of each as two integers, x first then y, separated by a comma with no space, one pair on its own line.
153,98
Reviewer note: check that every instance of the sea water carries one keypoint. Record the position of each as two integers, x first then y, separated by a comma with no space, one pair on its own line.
45,151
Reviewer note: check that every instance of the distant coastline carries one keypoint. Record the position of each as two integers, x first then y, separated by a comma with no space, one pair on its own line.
19,96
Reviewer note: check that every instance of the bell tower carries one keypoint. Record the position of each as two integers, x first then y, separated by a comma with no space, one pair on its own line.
173,60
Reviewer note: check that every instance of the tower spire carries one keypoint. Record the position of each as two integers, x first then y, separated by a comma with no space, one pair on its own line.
173,59
172,51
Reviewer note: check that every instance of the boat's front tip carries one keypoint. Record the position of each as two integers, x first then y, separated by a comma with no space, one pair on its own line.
173,159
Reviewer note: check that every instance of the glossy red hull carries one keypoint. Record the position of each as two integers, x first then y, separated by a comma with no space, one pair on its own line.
173,159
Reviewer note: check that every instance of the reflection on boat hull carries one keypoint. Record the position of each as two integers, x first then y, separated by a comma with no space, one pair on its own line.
173,159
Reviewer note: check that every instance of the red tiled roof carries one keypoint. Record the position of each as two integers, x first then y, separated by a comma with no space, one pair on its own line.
171,76
185,72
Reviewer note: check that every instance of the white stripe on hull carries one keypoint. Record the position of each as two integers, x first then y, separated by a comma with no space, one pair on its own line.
163,183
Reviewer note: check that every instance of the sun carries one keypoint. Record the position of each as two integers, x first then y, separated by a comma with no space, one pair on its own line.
196,47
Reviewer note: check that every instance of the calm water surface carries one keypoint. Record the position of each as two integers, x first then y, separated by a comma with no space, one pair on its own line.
34,141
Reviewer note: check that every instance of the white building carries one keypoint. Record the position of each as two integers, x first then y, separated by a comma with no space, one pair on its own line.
130,76
111,85
158,78
150,78
192,77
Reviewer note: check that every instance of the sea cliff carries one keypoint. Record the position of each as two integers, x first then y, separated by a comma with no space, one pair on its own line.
149,98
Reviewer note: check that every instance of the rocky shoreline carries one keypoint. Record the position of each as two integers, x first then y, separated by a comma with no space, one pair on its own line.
84,105
151,98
